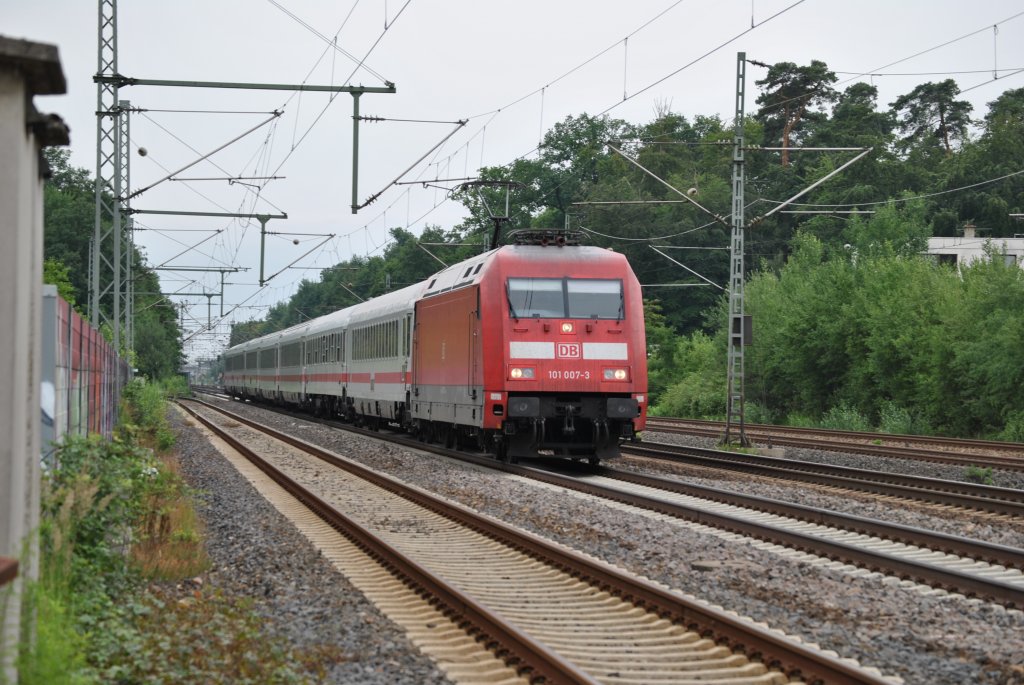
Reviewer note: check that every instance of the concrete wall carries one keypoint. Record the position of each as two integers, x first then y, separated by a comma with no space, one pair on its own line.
26,69
82,376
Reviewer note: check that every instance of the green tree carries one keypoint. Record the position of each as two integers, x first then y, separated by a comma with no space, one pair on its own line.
158,345
996,154
931,115
69,212
56,273
790,93
69,216
570,161
855,122
986,337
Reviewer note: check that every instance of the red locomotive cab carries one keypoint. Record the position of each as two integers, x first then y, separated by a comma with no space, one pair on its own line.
573,371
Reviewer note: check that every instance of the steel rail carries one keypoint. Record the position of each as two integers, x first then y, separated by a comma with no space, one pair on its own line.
1014,447
922,572
988,498
523,653
776,651
1010,462
992,553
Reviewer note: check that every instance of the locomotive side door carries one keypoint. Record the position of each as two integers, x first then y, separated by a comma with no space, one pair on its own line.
473,378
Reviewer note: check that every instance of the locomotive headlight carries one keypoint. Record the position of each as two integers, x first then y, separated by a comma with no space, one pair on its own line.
615,374
567,327
521,372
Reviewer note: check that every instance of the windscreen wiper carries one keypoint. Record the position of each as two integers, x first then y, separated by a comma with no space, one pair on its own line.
511,307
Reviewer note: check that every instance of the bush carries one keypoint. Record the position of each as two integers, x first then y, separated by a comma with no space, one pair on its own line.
699,391
201,638
91,501
176,386
897,420
145,412
1013,431
89,504
845,417
114,517
754,412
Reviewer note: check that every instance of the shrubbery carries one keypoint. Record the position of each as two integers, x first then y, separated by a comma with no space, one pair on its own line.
872,336
115,518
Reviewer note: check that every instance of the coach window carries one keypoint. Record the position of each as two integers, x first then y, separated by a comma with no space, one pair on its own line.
594,299
405,336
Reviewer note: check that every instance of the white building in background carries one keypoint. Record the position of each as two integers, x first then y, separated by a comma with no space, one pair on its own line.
970,247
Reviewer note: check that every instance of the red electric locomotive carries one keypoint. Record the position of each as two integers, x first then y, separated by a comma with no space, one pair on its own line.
535,348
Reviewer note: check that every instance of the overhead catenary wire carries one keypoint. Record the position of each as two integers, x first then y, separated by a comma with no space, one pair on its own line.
929,73
933,48
494,113
409,221
257,194
873,72
332,43
905,199
582,64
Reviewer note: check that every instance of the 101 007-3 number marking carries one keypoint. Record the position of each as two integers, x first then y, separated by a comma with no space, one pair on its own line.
568,375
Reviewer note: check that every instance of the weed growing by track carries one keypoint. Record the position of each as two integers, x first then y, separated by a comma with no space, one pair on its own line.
977,474
118,599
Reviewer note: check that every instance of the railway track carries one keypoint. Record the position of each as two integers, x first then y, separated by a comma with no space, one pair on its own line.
945,562
952,563
551,613
974,496
977,453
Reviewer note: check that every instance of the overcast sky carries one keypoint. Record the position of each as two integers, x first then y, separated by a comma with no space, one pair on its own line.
510,68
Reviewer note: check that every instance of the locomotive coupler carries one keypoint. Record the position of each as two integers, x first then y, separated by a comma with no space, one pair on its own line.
536,432
569,427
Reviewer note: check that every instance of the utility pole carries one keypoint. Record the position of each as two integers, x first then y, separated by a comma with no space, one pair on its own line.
112,147
739,325
739,333
734,424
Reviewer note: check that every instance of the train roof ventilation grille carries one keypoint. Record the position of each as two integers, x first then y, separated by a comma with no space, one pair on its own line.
544,237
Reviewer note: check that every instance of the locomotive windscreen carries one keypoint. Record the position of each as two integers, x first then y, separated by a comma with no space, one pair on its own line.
558,298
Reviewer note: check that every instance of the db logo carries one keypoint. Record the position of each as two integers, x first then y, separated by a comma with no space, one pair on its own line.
568,351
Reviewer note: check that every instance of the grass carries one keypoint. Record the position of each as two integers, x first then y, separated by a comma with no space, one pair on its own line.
203,637
170,534
118,537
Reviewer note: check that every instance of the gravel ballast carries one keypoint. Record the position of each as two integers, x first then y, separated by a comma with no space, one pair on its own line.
919,638
256,552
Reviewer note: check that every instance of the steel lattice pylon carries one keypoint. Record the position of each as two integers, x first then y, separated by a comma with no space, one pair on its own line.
735,393
110,266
